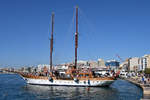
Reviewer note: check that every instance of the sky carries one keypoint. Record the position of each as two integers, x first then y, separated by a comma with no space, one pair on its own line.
106,28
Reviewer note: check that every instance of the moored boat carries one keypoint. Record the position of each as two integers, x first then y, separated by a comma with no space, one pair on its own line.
80,81
73,76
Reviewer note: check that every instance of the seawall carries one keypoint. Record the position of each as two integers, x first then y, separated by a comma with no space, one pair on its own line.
144,87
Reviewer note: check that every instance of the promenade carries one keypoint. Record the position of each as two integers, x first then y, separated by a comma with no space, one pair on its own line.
145,87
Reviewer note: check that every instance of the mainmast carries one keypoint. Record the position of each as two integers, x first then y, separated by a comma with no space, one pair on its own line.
51,42
76,37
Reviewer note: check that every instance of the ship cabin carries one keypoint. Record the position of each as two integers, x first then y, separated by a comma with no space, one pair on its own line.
85,75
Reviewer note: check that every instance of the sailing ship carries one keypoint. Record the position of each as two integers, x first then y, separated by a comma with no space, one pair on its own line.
73,76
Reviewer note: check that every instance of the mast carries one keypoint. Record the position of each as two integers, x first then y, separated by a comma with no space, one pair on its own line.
51,43
76,37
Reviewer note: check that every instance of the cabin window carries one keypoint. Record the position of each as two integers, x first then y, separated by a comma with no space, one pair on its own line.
86,75
80,75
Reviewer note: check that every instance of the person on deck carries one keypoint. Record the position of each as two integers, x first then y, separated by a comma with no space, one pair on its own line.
142,79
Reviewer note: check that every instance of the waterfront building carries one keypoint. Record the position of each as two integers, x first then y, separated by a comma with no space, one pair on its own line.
141,67
10,69
147,61
42,67
82,63
24,69
101,63
144,62
93,64
61,67
31,69
125,65
134,64
112,64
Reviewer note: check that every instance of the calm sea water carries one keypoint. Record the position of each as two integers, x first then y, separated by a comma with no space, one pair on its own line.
13,87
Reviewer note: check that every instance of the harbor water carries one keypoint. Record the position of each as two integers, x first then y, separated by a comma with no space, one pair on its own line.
13,87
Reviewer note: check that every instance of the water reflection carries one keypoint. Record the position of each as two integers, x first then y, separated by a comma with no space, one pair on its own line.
120,90
64,92
12,87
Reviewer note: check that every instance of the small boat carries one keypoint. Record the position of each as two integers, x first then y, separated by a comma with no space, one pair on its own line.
73,76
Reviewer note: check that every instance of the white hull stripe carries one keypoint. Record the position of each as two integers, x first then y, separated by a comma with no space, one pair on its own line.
69,82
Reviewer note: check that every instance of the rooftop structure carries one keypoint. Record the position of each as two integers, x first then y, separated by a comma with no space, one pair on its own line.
112,64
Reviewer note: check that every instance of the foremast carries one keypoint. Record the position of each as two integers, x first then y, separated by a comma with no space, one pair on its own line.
51,43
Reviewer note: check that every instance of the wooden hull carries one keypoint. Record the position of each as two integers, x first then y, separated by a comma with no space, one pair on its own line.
60,82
